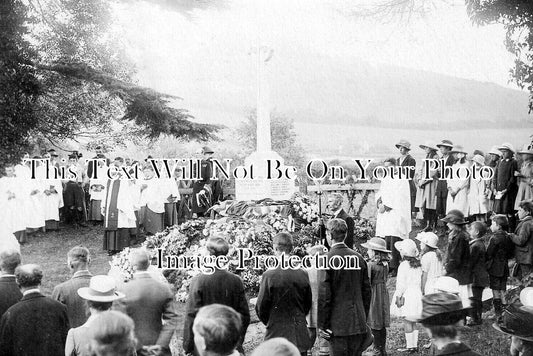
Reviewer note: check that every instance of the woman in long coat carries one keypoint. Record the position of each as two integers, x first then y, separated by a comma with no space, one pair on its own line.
426,194
458,188
525,178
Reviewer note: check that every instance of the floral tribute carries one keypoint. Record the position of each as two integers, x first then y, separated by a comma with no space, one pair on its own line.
255,233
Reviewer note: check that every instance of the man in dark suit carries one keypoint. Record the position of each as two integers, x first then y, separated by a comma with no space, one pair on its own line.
285,299
344,298
406,160
335,206
78,261
221,287
149,302
442,185
9,290
37,325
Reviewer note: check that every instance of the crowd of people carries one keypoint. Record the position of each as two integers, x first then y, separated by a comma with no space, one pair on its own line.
127,208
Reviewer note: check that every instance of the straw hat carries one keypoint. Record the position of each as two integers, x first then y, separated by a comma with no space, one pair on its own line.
526,297
507,146
455,217
517,322
445,143
377,244
458,149
440,309
446,284
407,248
404,143
526,150
495,151
429,238
479,159
429,144
101,289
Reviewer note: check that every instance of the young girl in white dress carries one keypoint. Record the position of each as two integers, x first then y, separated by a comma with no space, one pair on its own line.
407,299
431,261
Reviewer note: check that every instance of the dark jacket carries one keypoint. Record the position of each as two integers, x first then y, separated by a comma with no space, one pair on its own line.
409,161
480,276
456,349
10,293
350,224
457,263
149,302
67,293
442,184
523,239
283,302
498,251
37,325
221,287
345,295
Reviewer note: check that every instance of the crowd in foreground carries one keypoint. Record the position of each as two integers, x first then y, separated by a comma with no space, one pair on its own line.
347,310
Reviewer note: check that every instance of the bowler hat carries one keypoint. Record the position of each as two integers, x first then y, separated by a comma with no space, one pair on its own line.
429,238
404,143
377,244
407,248
428,144
507,146
440,309
455,217
101,289
445,143
207,149
517,322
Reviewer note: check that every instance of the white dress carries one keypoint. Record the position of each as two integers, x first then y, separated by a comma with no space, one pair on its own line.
395,194
408,285
460,201
434,269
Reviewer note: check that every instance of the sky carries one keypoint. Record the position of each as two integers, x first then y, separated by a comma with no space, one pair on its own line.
209,52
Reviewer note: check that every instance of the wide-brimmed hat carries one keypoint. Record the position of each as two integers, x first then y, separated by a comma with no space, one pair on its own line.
440,309
517,322
377,244
446,284
429,238
445,143
495,151
407,248
479,159
428,144
455,217
101,289
506,146
526,150
404,143
458,149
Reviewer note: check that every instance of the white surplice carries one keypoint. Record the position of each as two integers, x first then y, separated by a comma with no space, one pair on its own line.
395,194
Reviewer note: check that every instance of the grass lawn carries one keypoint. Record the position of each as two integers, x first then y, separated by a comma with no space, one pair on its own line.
50,249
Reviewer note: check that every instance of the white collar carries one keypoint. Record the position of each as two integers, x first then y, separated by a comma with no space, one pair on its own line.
338,243
34,290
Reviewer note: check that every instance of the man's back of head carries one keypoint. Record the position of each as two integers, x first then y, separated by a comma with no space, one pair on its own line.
337,229
78,258
9,261
283,243
277,346
217,246
29,276
140,260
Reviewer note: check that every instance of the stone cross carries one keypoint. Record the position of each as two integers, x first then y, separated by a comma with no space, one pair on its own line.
264,141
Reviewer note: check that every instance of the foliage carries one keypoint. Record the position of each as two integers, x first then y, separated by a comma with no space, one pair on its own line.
284,138
303,209
517,18
19,86
75,55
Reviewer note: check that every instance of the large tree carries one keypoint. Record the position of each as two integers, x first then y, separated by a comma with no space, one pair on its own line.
85,79
517,17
